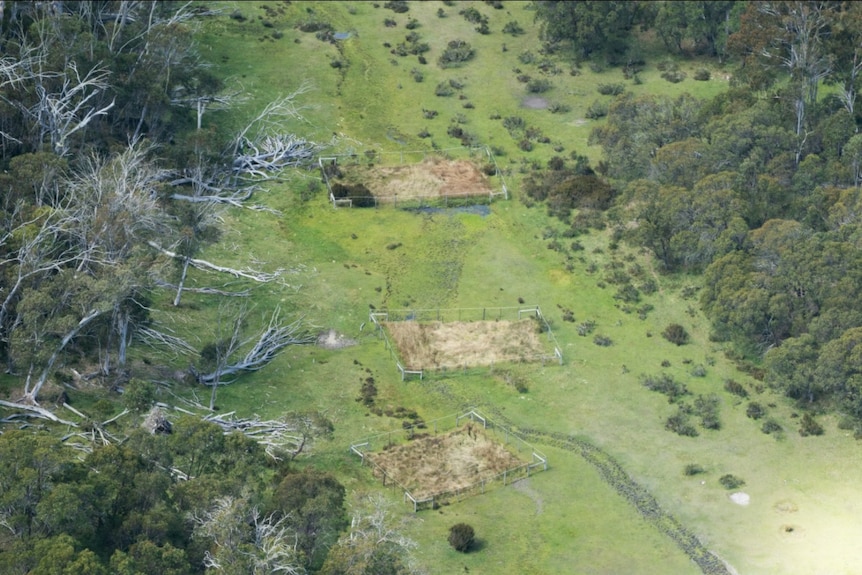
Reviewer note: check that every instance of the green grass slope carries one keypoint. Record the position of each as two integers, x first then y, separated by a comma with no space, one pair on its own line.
802,517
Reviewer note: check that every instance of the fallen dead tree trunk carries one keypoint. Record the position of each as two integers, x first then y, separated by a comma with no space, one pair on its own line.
36,411
274,338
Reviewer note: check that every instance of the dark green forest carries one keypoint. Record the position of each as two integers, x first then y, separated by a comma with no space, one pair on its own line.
757,190
109,189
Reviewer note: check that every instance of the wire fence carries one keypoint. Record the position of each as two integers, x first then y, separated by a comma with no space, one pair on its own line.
380,317
365,448
499,187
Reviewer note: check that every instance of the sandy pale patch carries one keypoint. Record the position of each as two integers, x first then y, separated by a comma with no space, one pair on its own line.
740,498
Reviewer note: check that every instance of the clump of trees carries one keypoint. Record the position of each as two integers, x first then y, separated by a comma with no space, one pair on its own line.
757,188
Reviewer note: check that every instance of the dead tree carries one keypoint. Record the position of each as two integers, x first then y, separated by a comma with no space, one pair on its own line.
292,434
265,347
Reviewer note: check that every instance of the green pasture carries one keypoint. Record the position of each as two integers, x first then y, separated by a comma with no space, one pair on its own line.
339,263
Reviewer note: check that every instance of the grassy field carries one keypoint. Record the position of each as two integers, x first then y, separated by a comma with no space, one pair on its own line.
803,512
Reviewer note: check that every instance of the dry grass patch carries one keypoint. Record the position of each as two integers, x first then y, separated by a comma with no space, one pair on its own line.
435,345
431,465
433,177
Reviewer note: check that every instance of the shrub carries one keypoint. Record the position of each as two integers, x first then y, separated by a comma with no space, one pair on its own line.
809,426
456,53
628,293
706,407
513,28
526,57
666,384
771,426
702,75
602,340
538,85
558,108
429,114
698,371
443,90
731,481
586,327
755,411
461,537
693,469
678,423
315,26
736,388
676,334
611,89
471,15
674,77
397,6
360,195
417,74
514,124
597,110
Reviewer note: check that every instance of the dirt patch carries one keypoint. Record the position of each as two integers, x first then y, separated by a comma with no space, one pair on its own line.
436,345
333,340
433,177
740,498
535,103
443,463
786,506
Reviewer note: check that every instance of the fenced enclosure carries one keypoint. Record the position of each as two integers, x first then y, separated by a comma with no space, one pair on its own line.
449,458
413,179
444,341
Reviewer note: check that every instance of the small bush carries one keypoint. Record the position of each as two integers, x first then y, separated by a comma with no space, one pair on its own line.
693,469
397,6
429,114
558,108
771,426
586,327
456,53
702,75
729,481
461,537
472,15
611,89
538,86
602,340
675,334
809,426
678,423
417,74
526,57
443,90
699,371
706,407
597,110
736,388
755,411
666,384
513,28
674,77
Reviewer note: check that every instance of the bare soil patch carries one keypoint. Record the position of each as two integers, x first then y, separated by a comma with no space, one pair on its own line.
433,177
535,103
443,463
435,345
334,340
